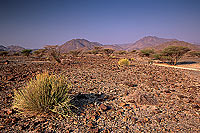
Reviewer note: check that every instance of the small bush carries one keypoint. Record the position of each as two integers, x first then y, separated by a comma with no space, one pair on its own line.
44,93
108,52
194,53
53,52
75,53
3,53
16,54
39,52
112,56
97,50
122,52
26,52
146,52
133,51
123,62
157,56
132,59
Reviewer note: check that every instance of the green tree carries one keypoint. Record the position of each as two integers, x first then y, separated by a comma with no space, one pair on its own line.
175,53
26,52
146,52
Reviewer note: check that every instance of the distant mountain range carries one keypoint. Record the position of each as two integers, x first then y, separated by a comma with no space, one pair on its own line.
11,48
3,48
147,41
83,44
78,44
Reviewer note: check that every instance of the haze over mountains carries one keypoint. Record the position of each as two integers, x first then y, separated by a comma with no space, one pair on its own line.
83,44
11,48
148,41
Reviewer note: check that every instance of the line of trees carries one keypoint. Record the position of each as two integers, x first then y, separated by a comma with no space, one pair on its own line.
171,53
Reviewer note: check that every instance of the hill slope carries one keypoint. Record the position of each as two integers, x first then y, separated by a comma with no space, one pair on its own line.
115,47
177,43
78,44
3,48
14,48
148,41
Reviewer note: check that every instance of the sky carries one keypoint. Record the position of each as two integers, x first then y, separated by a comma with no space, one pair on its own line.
35,23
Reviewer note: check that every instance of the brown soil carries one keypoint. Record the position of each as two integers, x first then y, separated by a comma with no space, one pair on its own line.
138,98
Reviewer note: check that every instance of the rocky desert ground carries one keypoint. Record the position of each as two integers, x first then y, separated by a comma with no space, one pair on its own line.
141,97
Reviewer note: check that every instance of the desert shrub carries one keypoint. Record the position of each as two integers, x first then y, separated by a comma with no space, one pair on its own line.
157,56
44,93
53,52
194,53
175,53
123,62
98,48
122,52
94,52
16,54
26,52
162,57
3,53
75,53
39,52
132,59
112,56
108,52
146,52
88,52
133,51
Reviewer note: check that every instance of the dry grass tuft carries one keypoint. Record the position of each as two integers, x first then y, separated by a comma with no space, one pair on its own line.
44,93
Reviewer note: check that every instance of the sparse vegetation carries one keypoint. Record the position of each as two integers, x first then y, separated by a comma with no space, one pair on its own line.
122,52
133,51
124,62
16,54
161,57
132,59
112,56
75,53
53,52
195,53
39,52
26,52
157,56
146,52
108,52
44,93
3,53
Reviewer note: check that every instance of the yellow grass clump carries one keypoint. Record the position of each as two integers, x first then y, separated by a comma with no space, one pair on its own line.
44,93
124,62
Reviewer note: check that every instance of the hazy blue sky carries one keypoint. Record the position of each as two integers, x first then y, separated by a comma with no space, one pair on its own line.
35,23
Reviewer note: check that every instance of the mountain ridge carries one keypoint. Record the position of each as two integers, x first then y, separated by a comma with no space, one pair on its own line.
148,41
78,44
177,43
